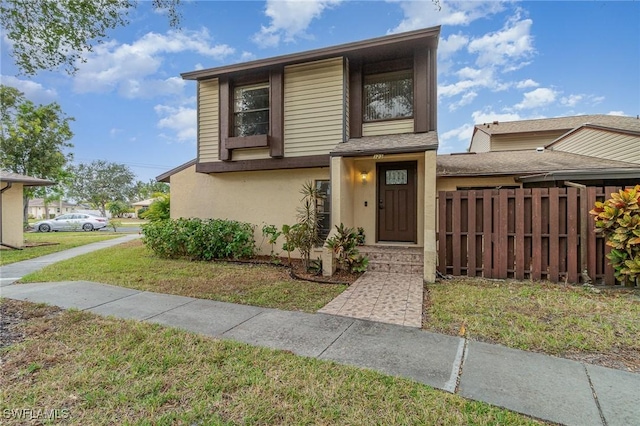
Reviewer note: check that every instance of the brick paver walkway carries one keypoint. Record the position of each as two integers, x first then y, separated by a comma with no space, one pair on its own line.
382,297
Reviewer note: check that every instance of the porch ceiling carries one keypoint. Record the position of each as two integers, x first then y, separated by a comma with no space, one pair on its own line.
388,144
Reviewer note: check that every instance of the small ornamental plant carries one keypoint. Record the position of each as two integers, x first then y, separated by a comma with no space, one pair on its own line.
618,219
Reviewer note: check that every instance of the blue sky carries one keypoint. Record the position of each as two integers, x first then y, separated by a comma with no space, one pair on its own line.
497,61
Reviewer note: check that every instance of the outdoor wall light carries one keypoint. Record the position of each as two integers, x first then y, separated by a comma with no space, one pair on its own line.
363,175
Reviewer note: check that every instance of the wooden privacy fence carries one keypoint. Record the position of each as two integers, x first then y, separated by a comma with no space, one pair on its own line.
522,234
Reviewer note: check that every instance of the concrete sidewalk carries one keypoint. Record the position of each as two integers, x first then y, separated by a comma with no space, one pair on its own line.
549,388
14,271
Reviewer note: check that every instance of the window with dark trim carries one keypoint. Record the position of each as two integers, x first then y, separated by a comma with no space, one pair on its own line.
388,95
251,110
323,206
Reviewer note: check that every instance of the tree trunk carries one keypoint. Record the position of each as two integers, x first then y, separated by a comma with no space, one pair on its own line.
25,209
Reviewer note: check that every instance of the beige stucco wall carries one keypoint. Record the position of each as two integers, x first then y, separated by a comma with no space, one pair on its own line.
602,144
12,228
258,197
430,217
365,216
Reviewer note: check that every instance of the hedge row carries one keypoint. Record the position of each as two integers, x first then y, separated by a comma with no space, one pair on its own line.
199,239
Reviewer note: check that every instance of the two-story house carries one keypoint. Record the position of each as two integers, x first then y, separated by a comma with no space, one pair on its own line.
358,120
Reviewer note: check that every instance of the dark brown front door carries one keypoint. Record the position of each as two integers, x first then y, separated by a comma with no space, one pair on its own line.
397,201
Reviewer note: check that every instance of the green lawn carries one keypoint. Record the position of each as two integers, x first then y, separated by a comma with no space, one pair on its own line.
103,371
552,318
61,241
132,265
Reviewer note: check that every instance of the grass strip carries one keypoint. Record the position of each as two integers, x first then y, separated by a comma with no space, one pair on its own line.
59,241
551,318
106,371
131,265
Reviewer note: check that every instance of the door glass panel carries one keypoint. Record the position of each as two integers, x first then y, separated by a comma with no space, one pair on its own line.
396,177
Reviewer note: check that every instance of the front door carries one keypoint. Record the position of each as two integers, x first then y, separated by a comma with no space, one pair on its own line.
397,201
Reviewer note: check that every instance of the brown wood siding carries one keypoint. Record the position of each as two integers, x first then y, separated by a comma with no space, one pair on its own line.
421,91
208,123
602,144
313,107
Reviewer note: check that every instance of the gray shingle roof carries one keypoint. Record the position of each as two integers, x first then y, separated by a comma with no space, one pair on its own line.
387,144
522,163
561,123
25,180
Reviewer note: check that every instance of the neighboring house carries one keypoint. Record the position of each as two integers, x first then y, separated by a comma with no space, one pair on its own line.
144,204
605,148
530,168
12,207
358,120
55,208
604,136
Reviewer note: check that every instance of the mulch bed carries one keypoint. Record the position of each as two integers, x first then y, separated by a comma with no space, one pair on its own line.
297,271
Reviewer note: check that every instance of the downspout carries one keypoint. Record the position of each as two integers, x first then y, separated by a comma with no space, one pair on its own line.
9,185
584,229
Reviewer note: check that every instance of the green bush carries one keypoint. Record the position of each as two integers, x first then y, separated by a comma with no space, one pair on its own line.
343,244
199,239
618,219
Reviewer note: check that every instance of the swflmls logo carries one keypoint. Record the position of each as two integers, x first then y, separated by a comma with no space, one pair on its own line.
36,414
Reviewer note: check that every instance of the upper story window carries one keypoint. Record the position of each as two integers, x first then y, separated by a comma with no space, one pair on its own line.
388,95
251,110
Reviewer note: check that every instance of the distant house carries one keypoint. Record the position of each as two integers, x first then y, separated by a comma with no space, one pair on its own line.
144,204
540,133
605,150
11,206
55,208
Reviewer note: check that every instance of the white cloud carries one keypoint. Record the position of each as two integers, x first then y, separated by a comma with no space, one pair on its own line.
424,13
35,92
571,100
537,98
508,47
489,116
452,44
466,99
621,113
115,132
462,133
525,84
132,69
289,19
181,120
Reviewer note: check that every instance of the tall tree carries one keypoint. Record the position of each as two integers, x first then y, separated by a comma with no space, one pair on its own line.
33,139
100,183
52,34
145,190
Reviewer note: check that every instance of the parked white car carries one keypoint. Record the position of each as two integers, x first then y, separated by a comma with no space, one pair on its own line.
71,222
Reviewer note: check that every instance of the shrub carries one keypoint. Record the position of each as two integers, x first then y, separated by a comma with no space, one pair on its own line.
343,244
199,239
160,209
618,219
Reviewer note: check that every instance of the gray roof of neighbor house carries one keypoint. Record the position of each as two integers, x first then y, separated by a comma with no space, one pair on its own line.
525,163
560,123
25,180
387,45
39,202
387,144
